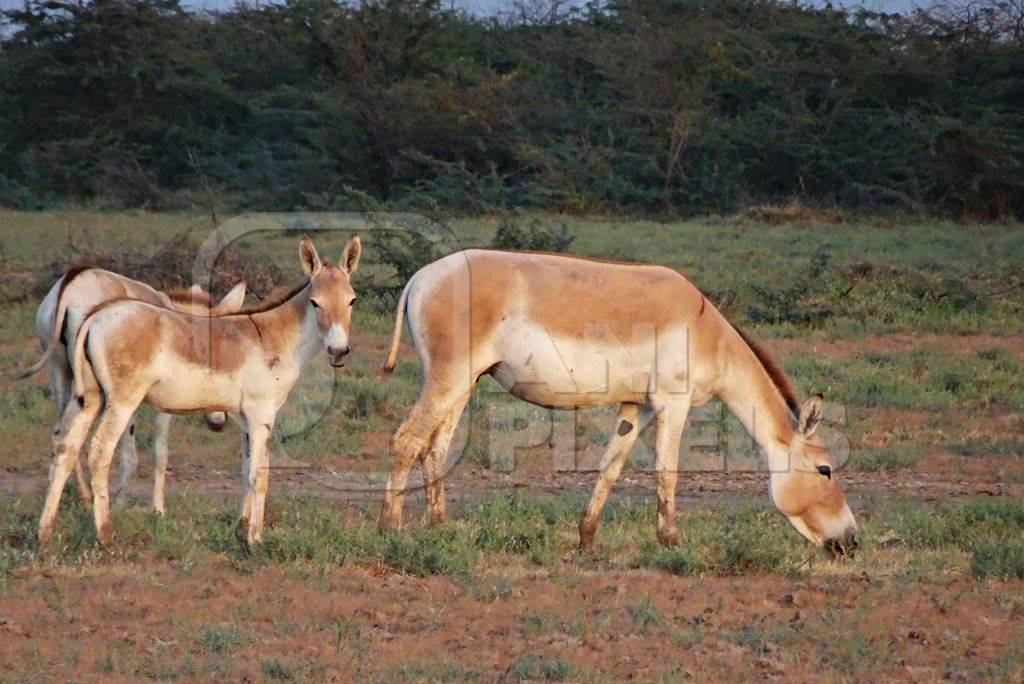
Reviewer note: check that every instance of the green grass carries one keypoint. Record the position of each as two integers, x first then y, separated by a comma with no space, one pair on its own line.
893,457
986,445
644,615
276,669
223,638
503,531
927,378
532,667
1002,558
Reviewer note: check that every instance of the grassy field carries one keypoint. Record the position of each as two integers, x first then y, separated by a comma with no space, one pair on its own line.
912,331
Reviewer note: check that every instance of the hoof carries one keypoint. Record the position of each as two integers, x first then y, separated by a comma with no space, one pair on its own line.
389,522
436,519
668,538
588,530
242,532
106,537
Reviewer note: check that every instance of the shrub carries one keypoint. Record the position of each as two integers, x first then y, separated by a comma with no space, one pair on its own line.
535,236
1002,558
682,561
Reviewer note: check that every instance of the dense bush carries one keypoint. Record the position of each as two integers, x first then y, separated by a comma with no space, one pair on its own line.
657,106
535,236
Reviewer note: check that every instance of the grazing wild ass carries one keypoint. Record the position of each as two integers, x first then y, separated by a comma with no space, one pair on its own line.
566,332
58,321
245,363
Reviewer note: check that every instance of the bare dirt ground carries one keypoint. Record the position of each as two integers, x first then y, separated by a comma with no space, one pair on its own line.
116,623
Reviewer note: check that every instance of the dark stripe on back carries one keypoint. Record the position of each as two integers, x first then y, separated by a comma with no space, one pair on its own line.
191,297
267,306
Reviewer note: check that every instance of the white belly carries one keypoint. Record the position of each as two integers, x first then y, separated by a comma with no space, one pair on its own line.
593,370
189,388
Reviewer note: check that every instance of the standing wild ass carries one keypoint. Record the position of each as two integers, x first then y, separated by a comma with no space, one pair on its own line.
566,332
58,320
129,351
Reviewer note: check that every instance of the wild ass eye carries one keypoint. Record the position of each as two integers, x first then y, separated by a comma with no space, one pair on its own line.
825,470
312,302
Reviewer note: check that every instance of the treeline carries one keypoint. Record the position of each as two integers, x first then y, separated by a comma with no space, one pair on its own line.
667,107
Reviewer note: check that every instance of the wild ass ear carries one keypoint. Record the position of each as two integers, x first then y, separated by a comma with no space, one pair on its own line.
810,415
232,301
311,263
350,255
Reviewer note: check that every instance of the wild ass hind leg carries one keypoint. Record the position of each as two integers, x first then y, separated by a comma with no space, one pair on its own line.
435,463
112,423
670,419
61,393
627,427
410,441
127,462
161,436
68,438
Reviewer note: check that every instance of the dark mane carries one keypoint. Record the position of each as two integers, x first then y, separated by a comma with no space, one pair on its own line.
774,372
190,296
274,303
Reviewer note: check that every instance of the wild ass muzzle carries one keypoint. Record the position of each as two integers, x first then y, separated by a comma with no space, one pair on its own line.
58,320
566,332
246,363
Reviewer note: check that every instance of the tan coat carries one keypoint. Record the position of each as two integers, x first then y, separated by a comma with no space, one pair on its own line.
567,332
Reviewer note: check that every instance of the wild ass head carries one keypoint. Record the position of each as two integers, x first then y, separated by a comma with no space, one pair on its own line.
331,296
807,492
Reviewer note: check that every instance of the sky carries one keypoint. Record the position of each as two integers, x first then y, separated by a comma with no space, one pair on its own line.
492,6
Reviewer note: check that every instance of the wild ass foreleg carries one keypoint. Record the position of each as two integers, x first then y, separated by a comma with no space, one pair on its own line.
245,511
671,417
82,477
112,424
627,427
128,462
161,435
68,438
256,474
434,464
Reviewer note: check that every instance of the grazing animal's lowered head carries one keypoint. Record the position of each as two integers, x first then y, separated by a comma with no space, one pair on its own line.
806,490
331,296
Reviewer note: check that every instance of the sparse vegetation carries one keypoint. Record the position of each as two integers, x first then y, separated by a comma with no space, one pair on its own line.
535,668
930,391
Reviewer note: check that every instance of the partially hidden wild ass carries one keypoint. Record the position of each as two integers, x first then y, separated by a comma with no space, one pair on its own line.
58,320
565,332
246,363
